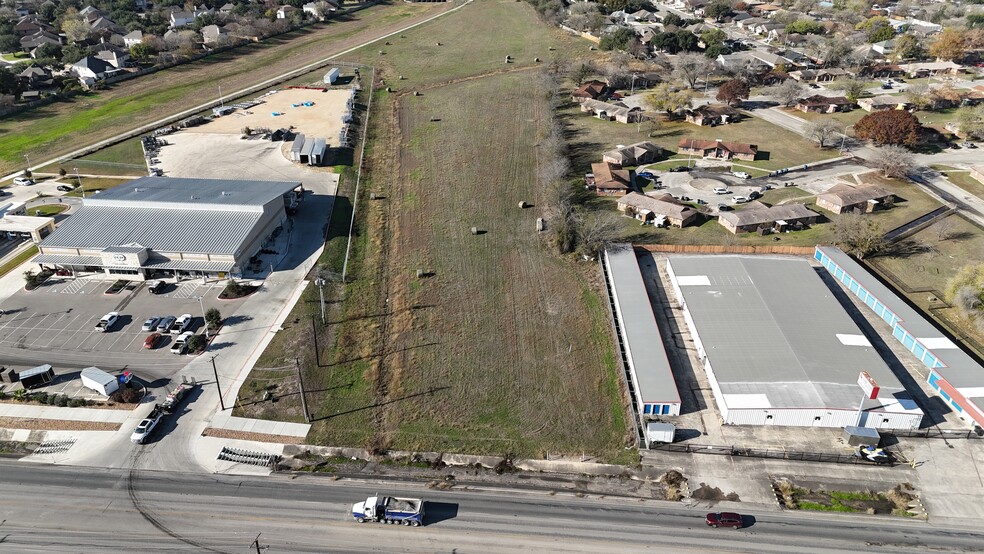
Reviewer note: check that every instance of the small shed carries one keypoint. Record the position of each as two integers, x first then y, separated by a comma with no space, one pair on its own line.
659,433
295,149
99,381
857,436
318,152
332,76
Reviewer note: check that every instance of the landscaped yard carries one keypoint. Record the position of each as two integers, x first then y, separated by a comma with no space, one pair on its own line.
962,178
845,118
48,210
91,185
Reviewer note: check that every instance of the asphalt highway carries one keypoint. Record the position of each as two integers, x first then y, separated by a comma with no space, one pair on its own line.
72,509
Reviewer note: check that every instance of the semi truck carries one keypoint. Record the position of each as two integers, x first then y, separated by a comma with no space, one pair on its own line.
390,509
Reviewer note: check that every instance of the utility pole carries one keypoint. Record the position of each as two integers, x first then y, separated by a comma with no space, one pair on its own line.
317,349
300,385
256,543
216,372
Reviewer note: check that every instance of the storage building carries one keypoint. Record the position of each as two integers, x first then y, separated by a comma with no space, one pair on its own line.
779,349
956,376
653,386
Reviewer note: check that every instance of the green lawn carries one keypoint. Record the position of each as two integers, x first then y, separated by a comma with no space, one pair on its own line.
18,260
845,118
123,158
937,118
90,185
962,178
48,210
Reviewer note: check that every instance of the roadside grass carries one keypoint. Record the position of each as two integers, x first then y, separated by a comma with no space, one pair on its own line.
473,40
590,137
962,178
835,506
912,204
15,262
939,118
91,185
48,210
122,158
61,127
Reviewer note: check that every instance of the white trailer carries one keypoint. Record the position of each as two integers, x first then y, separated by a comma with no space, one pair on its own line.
99,381
332,76
659,433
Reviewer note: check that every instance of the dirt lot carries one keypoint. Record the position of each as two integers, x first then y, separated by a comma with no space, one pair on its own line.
323,119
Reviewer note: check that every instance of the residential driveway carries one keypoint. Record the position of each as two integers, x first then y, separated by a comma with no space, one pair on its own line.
56,324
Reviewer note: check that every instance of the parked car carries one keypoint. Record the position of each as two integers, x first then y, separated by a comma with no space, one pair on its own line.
721,190
754,195
886,86
147,425
646,175
151,341
23,181
739,199
158,287
968,145
180,345
723,519
741,174
64,188
679,168
725,207
181,324
814,85
151,324
166,323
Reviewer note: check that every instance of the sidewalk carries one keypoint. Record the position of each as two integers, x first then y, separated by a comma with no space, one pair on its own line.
33,411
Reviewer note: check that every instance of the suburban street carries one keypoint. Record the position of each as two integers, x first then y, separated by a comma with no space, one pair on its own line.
97,510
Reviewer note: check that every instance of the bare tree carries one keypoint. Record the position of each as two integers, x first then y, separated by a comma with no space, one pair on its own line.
787,92
823,131
894,161
944,229
858,233
691,67
919,96
595,231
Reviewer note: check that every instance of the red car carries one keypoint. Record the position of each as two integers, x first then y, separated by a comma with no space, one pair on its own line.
152,340
723,519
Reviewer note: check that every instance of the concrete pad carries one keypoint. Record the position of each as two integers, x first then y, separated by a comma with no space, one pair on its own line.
20,435
68,414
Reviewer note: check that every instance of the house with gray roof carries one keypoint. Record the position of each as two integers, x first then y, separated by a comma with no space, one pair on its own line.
634,154
758,217
160,226
661,210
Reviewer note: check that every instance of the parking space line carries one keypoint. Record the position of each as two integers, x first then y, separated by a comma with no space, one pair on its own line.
60,333
53,327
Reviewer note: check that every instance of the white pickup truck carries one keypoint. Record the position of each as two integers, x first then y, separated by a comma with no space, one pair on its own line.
107,321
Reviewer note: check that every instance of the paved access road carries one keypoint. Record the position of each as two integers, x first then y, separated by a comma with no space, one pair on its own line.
61,509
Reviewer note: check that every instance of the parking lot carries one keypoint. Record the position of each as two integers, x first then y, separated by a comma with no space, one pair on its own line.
55,324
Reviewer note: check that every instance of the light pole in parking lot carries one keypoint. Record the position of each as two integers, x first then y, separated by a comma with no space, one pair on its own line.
79,180
202,304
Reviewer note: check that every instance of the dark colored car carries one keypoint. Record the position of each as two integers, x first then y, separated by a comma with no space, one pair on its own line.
158,287
646,175
64,188
723,519
165,325
725,207
679,168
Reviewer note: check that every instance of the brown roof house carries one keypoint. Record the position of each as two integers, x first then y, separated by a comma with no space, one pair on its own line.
659,210
612,111
884,102
757,217
819,75
717,149
609,179
592,90
843,198
824,104
717,114
633,154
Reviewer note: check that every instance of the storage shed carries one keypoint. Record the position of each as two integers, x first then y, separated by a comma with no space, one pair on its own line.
99,381
332,76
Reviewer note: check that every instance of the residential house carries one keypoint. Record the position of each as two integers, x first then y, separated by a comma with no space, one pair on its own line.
739,17
180,19
757,217
105,26
819,75
659,210
283,12
717,114
609,179
749,23
885,47
764,10
132,39
610,111
213,34
769,59
884,71
930,69
90,13
743,61
90,69
30,24
977,172
30,42
226,9
643,15
884,102
717,149
843,198
591,90
633,154
116,56
824,104
35,77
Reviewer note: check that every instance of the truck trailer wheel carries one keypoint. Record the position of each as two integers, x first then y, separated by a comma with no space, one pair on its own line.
415,523
406,522
360,519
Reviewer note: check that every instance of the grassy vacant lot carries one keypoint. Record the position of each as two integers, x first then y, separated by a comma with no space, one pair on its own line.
123,158
590,137
62,127
474,40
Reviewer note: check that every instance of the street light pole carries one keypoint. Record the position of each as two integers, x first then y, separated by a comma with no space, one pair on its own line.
28,159
79,179
200,303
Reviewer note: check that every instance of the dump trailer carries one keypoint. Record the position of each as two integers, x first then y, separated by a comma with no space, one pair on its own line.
389,509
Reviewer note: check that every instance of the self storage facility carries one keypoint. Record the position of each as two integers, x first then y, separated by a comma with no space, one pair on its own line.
779,349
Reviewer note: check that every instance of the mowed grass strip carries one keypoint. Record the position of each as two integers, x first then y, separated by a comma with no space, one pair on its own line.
499,350
476,39
65,126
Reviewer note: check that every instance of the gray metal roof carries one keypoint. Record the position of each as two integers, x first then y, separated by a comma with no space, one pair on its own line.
308,147
66,259
192,194
644,345
188,265
161,230
960,369
771,326
298,143
97,375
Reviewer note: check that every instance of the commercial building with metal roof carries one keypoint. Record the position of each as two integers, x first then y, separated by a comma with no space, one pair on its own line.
653,386
161,226
954,374
779,349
